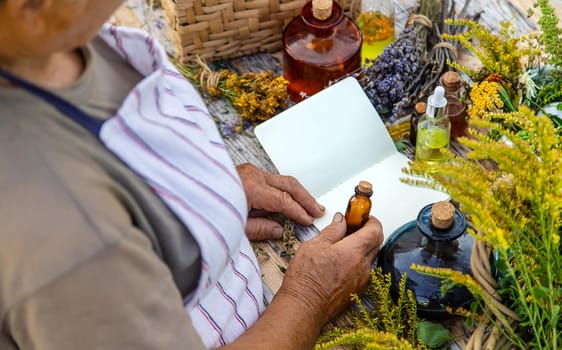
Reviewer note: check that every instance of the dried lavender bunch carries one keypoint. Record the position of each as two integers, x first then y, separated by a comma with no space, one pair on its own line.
409,68
387,79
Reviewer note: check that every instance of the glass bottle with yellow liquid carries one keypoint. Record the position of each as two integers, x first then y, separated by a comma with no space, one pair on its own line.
375,18
434,130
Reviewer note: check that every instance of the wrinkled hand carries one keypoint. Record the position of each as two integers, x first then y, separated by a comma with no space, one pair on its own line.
327,269
270,193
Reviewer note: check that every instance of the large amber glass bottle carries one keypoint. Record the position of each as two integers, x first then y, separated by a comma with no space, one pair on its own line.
320,46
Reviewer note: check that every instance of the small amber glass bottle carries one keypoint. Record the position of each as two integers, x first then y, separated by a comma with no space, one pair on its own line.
320,46
359,207
456,109
419,110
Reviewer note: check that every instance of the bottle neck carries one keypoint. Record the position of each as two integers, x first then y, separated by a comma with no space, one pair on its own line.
358,192
322,25
433,112
453,94
426,227
436,104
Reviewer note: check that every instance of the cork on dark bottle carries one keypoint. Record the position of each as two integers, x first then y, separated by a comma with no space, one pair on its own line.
442,214
359,207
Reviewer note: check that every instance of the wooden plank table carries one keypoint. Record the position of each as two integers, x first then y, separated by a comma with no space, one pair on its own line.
244,147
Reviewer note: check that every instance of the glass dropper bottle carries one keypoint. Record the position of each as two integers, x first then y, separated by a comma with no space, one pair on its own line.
434,130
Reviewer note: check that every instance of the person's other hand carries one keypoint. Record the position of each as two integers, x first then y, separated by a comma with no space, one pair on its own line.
270,193
327,269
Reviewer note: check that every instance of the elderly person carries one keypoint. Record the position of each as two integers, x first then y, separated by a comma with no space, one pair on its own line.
124,221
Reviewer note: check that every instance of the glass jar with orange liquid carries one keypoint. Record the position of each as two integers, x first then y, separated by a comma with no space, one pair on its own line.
320,47
375,18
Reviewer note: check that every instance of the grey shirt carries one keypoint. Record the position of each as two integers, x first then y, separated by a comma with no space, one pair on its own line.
85,246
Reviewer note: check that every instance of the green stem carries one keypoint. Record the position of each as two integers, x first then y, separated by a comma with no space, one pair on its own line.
506,100
548,242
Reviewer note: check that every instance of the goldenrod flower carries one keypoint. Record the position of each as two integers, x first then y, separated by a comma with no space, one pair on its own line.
256,96
515,207
485,99
452,275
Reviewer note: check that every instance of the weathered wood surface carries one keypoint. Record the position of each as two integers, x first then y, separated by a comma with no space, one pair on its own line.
245,148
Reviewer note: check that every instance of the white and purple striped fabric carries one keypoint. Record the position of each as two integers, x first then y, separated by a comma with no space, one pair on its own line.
164,132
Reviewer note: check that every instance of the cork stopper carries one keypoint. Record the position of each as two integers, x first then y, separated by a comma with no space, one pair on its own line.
420,107
442,214
365,187
451,80
322,9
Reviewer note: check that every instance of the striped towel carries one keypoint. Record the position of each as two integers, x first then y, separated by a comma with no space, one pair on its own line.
164,132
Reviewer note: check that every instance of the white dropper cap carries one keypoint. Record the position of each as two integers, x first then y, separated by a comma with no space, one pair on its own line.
436,101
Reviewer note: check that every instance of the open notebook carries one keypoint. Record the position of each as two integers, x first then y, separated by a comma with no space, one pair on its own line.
334,139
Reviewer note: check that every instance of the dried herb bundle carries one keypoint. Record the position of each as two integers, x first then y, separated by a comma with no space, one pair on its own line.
409,68
256,96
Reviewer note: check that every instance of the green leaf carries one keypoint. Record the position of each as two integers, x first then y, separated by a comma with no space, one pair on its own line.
506,100
554,317
433,335
400,145
540,292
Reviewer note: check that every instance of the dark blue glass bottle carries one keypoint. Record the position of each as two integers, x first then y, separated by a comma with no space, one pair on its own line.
423,242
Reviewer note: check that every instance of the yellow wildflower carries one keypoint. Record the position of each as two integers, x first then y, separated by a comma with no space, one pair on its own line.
515,207
485,99
499,239
256,96
466,313
452,275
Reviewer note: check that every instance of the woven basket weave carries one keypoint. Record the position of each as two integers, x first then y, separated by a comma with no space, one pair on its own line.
487,336
219,29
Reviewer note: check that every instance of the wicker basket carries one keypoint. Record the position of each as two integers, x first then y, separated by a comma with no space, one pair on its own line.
218,29
487,336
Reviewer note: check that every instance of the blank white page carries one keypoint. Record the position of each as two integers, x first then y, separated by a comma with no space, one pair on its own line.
332,140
